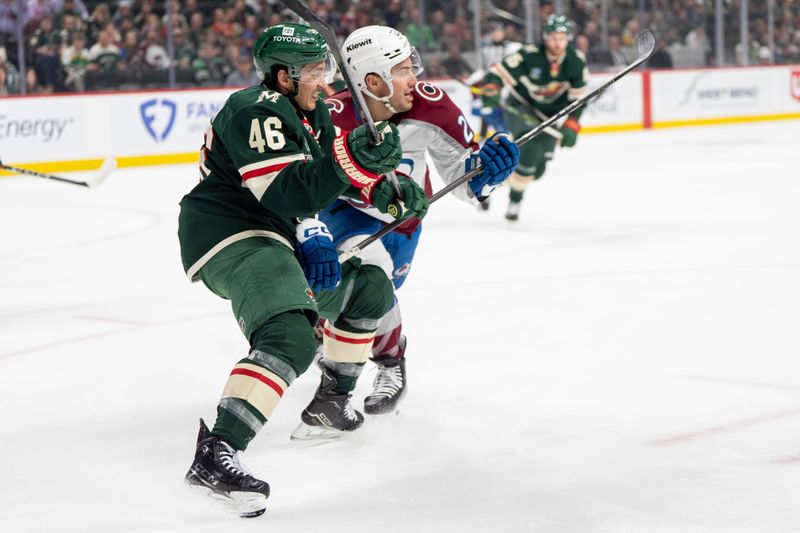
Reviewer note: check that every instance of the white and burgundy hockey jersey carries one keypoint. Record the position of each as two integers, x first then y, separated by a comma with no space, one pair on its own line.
433,125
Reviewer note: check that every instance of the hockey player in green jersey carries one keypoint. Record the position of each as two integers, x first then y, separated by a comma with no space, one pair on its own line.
271,160
541,80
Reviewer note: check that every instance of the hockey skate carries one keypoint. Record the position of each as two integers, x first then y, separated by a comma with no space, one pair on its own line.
217,471
390,383
512,213
329,415
484,204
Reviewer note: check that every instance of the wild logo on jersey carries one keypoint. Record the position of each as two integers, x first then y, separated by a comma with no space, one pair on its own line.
549,92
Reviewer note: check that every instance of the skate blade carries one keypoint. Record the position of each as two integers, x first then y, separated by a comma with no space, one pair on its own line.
320,433
243,504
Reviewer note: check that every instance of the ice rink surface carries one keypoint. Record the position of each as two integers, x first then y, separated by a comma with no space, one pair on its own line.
625,359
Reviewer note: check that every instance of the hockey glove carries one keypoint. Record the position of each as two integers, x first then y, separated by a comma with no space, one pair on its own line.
490,95
317,255
569,132
415,202
360,163
498,159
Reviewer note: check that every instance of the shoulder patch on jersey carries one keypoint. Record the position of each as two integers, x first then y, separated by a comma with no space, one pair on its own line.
334,105
530,48
428,91
580,54
269,95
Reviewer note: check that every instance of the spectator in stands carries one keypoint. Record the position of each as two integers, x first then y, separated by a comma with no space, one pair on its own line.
244,75
615,51
155,55
36,10
124,11
11,74
8,20
5,89
74,59
178,20
46,43
661,57
100,18
221,26
416,36
433,68
32,82
764,56
496,45
393,14
103,54
454,64
75,8
197,29
131,53
184,50
209,67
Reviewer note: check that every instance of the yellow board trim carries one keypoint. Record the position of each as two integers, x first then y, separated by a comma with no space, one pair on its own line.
78,165
723,120
612,128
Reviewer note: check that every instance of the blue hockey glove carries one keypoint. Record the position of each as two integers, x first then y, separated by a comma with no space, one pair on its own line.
498,159
317,255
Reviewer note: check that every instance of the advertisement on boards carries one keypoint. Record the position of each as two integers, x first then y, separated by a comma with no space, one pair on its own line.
692,95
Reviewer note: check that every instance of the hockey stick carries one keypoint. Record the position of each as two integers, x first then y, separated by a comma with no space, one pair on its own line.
102,173
645,43
358,99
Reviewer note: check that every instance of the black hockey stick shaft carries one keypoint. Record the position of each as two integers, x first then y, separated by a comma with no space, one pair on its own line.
105,169
512,110
28,172
329,35
646,44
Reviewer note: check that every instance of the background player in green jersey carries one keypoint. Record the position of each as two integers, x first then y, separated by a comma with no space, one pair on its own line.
271,160
541,81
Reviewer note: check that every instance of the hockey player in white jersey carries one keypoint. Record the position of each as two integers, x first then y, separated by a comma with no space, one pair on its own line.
385,68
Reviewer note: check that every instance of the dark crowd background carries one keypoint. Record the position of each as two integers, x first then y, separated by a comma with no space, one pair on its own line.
83,45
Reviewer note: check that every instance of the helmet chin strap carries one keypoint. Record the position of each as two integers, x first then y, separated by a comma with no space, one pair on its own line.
384,99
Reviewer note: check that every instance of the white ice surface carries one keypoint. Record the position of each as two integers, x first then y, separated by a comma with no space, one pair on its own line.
625,359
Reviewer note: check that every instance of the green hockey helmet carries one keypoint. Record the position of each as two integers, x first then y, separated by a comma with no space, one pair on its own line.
559,24
291,45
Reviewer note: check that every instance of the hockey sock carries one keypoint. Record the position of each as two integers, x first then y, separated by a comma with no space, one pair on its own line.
388,335
347,341
515,196
344,354
282,349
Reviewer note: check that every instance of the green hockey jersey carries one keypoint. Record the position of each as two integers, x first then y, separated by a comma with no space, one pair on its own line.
534,81
264,164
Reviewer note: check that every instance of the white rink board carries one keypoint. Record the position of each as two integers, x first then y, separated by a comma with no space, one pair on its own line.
136,125
619,105
719,93
82,126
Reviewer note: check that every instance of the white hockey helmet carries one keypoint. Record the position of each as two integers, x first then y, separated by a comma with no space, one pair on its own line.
375,50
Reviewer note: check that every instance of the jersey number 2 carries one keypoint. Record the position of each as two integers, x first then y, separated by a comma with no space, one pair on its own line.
271,134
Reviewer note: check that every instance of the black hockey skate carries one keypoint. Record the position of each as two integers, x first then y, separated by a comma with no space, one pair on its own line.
390,383
484,204
217,470
329,415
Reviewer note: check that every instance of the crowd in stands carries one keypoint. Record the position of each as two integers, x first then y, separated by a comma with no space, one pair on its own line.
78,45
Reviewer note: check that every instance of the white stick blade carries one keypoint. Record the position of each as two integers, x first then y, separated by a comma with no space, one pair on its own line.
105,170
645,42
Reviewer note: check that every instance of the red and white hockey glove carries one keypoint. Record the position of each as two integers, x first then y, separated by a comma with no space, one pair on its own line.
361,163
